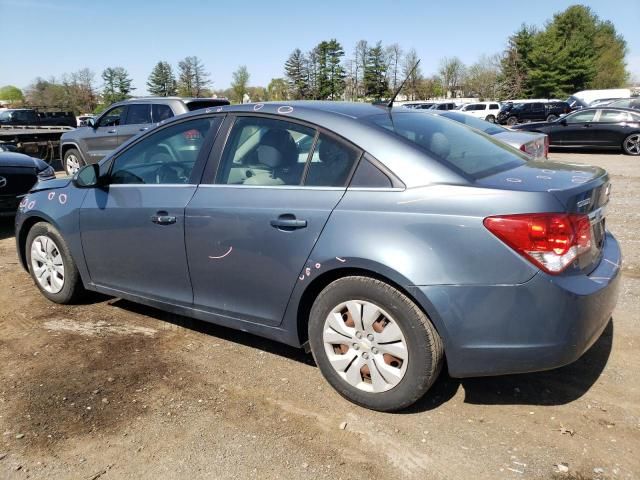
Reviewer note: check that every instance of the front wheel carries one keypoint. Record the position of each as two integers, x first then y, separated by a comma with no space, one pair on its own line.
511,121
51,266
373,344
552,118
72,161
631,144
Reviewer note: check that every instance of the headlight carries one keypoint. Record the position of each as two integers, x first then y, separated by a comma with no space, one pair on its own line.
47,174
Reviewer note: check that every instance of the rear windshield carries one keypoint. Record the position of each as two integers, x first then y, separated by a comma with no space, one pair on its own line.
465,150
487,127
205,103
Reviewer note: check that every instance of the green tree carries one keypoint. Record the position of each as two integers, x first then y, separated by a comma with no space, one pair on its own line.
482,78
414,77
239,83
11,94
516,63
375,79
277,89
576,51
161,81
193,79
452,72
117,85
297,75
330,73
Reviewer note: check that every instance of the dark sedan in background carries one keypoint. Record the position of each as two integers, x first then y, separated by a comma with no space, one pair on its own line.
593,127
18,173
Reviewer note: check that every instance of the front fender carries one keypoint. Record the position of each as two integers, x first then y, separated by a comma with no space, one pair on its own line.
61,208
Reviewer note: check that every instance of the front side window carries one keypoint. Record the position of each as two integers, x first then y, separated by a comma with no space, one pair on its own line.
138,113
581,117
265,152
331,163
468,151
165,157
112,117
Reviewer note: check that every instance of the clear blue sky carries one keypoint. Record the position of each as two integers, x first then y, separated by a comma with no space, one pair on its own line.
50,37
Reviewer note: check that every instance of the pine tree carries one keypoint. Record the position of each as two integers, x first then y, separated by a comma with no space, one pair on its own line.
161,81
516,63
193,79
375,81
330,74
117,85
297,75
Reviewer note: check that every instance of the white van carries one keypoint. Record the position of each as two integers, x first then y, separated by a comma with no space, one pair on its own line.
586,97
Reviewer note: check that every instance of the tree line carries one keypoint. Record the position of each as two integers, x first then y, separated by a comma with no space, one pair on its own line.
574,51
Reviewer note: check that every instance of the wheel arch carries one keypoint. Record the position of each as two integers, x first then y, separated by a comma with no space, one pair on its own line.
65,147
21,236
313,289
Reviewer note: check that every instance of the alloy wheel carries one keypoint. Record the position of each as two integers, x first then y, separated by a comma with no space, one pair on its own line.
365,346
632,144
47,264
72,164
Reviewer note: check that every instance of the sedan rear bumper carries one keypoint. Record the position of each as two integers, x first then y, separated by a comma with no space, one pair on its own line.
542,324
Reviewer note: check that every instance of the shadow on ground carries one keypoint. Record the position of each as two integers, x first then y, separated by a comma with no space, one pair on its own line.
6,227
554,387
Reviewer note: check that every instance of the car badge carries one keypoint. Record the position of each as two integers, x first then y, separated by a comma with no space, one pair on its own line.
3,182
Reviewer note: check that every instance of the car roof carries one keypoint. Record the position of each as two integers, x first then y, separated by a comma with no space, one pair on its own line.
167,100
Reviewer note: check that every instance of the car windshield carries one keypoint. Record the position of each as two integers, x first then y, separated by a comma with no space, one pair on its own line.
487,127
465,150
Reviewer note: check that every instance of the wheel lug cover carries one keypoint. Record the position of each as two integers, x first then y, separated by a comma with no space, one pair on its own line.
370,337
358,335
374,351
356,346
365,355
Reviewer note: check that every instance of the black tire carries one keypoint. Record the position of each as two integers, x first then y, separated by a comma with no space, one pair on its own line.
631,144
511,121
552,118
72,154
490,118
72,289
424,346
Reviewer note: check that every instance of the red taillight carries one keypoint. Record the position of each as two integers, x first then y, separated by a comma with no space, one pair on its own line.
551,241
192,134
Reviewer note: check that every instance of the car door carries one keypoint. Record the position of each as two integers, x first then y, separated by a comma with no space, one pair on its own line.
103,137
610,128
251,230
137,120
132,230
574,129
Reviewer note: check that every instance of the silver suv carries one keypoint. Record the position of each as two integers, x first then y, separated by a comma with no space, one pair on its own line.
119,123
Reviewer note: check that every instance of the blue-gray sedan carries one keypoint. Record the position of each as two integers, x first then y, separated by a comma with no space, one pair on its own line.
384,240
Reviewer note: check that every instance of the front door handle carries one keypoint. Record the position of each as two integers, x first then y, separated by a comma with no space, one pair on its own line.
111,131
288,222
144,129
163,218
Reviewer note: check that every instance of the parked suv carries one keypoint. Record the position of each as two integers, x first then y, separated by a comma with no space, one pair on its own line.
119,123
484,110
533,112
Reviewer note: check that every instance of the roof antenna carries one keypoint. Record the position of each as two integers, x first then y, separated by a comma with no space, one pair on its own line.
390,104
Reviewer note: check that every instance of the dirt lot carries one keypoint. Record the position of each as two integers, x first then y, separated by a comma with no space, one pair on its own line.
113,390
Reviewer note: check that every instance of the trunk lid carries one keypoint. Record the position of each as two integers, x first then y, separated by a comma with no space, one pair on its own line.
579,188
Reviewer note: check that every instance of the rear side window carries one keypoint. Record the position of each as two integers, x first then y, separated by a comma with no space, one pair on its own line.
367,175
494,106
613,116
138,113
331,163
265,152
468,151
161,112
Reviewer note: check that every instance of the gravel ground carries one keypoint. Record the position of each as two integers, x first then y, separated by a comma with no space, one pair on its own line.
111,390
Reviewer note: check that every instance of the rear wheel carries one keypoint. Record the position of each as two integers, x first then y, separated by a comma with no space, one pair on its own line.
490,118
72,161
552,118
373,344
631,144
51,266
511,121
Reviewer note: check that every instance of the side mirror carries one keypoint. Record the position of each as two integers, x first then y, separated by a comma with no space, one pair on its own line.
88,176
91,123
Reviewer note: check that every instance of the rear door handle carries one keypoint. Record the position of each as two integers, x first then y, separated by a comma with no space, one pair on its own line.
288,222
144,129
163,218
